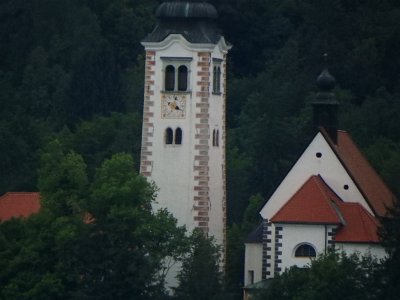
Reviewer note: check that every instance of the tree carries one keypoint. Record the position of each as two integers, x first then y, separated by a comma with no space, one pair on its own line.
134,240
330,276
93,239
200,277
236,235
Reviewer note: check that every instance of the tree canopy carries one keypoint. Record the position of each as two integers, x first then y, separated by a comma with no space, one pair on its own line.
93,239
74,70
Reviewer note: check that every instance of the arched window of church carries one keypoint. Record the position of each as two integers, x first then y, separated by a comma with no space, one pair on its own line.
169,78
169,136
178,136
182,78
305,250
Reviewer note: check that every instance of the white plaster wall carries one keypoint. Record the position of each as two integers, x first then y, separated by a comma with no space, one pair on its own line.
253,262
328,166
217,157
173,164
295,234
375,250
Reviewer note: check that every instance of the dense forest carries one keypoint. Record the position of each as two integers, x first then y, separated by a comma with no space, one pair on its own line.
72,72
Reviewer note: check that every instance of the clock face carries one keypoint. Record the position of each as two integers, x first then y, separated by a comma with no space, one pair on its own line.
173,106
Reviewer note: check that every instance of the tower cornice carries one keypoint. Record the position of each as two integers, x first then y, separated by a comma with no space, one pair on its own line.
224,47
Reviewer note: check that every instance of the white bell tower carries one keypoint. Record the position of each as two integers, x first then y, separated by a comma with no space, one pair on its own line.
183,138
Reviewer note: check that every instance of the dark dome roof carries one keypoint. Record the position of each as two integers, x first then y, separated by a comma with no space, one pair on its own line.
200,10
325,81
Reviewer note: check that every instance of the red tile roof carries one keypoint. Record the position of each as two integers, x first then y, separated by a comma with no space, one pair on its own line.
360,226
316,203
312,203
377,194
18,205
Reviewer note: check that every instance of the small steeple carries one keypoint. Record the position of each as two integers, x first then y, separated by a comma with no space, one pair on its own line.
325,105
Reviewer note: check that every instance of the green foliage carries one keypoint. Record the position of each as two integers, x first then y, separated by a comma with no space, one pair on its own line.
93,239
62,181
236,235
330,276
390,233
200,277
99,138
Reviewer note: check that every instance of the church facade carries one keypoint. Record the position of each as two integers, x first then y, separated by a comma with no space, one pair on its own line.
331,198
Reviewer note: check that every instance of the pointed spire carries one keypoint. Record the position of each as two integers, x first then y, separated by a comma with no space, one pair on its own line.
325,105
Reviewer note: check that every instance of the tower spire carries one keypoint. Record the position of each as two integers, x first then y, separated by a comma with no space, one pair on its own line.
325,105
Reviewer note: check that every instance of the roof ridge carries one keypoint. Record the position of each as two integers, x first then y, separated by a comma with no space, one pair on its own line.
363,220
328,200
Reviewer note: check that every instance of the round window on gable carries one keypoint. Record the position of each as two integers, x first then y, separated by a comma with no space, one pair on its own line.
318,154
346,187
305,250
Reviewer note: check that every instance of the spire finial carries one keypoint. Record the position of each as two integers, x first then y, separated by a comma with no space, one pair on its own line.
325,55
325,81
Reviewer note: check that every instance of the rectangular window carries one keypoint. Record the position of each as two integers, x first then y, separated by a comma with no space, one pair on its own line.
217,74
250,277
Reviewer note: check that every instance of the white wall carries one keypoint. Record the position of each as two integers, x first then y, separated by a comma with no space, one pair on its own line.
217,156
172,164
253,262
295,234
328,166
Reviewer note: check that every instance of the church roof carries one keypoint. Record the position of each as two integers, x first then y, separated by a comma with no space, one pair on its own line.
255,237
377,194
193,10
15,205
360,226
312,203
316,203
195,21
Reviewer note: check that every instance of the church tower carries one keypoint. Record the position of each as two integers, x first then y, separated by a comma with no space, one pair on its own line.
183,137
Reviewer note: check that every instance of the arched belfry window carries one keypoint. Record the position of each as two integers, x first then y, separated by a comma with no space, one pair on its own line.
170,78
178,136
305,250
169,136
176,73
172,137
182,78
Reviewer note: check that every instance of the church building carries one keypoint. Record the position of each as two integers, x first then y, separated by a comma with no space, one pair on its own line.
183,137
330,198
